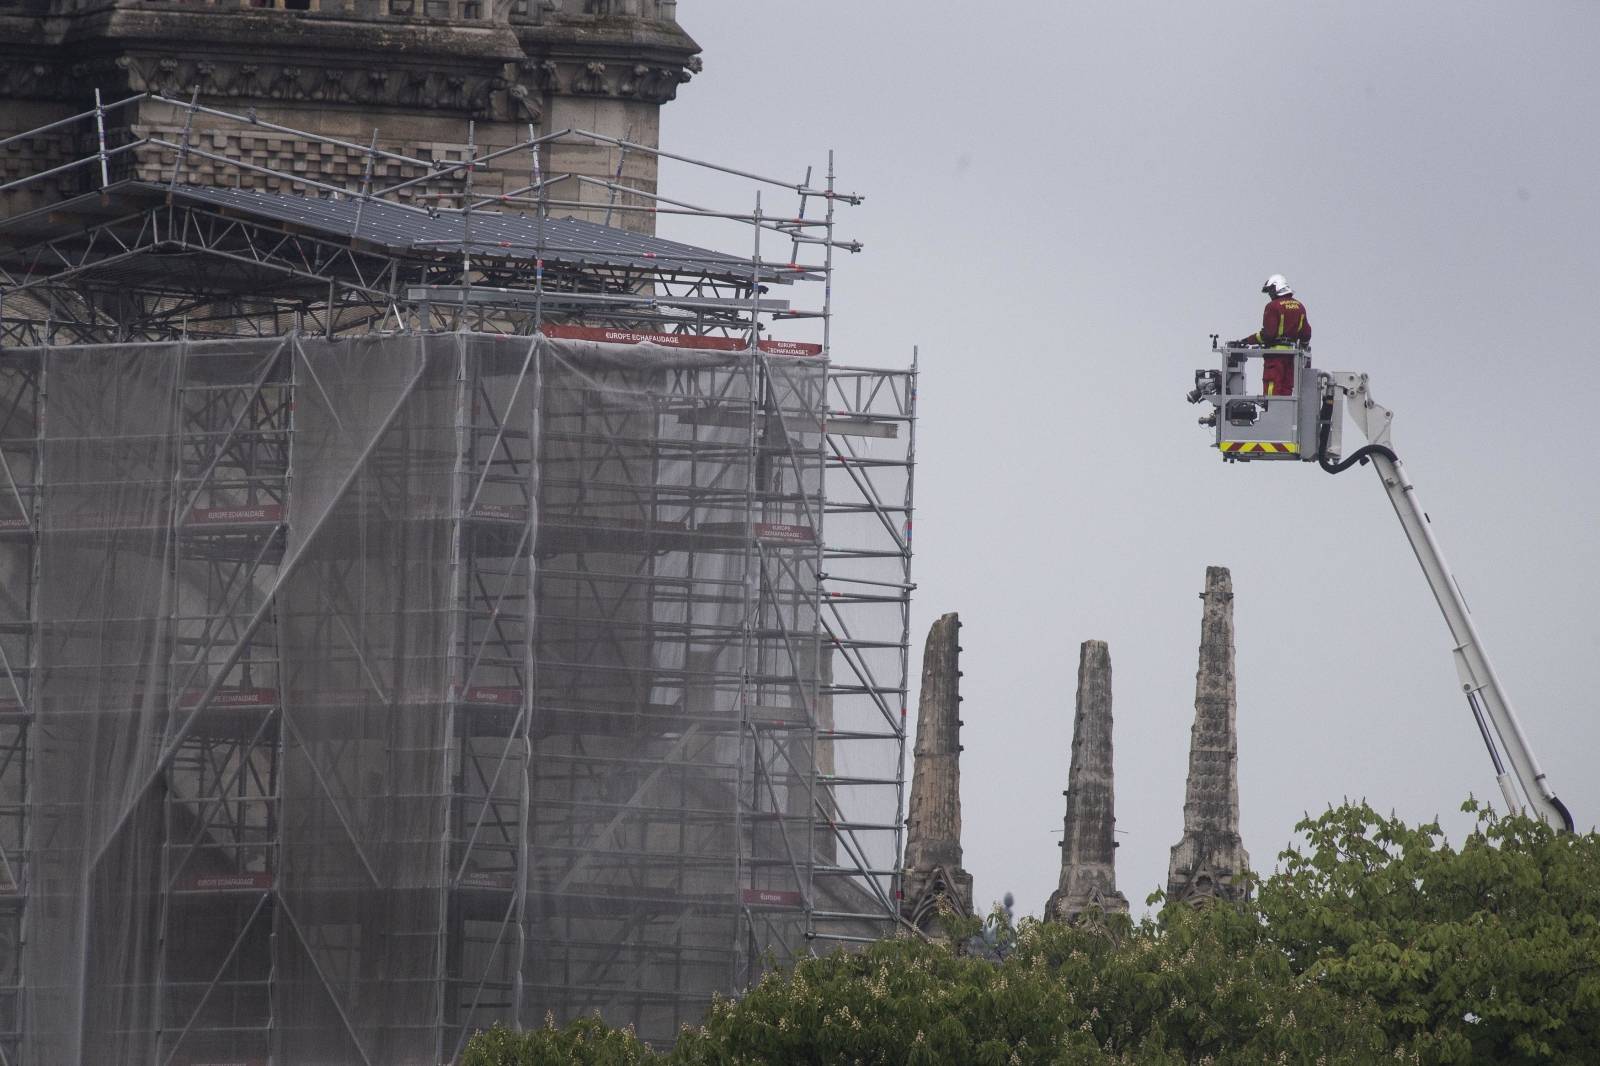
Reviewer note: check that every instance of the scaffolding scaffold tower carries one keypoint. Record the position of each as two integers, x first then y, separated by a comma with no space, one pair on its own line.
421,611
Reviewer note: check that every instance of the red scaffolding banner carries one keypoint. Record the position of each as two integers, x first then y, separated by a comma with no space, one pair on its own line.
504,512
227,882
771,897
499,880
231,697
242,515
498,695
783,531
678,340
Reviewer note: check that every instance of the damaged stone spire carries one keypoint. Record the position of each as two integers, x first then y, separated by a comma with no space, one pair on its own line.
1088,856
933,877
1210,860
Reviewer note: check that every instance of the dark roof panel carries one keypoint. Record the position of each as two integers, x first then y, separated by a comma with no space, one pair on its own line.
406,229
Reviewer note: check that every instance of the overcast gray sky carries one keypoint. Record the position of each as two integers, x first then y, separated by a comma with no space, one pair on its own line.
1063,200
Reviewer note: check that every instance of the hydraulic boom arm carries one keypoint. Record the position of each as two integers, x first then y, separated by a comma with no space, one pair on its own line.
1502,733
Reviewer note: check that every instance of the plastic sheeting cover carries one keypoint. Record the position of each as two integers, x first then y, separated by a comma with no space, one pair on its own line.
374,691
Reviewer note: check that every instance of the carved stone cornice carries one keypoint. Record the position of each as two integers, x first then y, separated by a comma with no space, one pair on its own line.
314,79
627,59
317,80
22,78
647,82
270,32
512,93
489,69
573,36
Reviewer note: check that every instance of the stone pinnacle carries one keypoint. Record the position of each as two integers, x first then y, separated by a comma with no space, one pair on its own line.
1088,855
1210,859
934,878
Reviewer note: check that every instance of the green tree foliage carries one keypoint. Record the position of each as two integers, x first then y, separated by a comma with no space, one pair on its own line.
1204,986
587,1042
1489,953
1376,941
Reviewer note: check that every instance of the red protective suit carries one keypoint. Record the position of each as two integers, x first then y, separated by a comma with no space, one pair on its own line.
1283,321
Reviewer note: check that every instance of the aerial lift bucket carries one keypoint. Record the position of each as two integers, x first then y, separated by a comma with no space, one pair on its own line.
1251,423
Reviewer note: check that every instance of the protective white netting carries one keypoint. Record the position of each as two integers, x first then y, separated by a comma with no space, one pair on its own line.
373,691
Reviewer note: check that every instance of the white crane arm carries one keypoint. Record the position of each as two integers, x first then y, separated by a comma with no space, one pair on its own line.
1514,763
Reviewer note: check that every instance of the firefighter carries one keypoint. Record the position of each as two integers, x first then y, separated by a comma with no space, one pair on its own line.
1283,325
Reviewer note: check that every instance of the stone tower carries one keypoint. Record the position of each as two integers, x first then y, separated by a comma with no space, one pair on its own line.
1088,846
934,877
417,71
1210,859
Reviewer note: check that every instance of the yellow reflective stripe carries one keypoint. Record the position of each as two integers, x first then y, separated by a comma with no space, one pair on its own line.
1268,447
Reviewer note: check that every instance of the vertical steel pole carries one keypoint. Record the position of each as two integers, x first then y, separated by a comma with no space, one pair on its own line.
366,185
616,180
813,683
466,222
538,241
35,632
100,133
530,677
897,886
183,146
742,967
279,802
455,679
799,229
827,265
174,514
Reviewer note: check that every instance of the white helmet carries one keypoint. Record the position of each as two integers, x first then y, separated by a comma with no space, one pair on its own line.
1277,285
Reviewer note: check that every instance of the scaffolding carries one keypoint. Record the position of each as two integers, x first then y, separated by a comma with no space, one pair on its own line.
414,619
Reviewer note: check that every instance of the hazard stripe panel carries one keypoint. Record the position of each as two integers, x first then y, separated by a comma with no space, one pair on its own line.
1267,447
